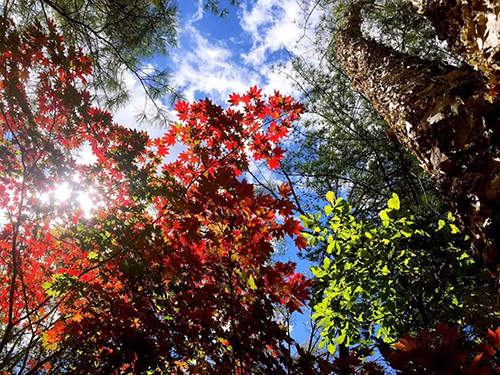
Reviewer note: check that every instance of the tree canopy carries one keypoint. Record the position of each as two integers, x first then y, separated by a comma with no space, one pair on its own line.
172,269
121,37
171,272
396,275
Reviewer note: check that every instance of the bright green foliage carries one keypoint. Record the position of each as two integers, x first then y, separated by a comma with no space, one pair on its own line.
395,275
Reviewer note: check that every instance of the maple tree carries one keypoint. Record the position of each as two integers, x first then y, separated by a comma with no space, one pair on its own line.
172,270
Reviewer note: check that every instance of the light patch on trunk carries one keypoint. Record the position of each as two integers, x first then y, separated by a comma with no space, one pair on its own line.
436,159
408,128
436,118
492,31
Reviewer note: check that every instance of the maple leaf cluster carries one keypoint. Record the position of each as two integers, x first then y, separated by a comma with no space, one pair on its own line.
444,350
172,273
192,258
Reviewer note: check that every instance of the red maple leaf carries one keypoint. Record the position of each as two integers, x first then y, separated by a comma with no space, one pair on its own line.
234,99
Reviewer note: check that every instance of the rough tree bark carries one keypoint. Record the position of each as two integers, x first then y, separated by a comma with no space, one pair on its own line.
445,115
471,29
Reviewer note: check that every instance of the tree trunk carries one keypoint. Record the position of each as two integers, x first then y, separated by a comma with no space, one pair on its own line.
471,29
441,113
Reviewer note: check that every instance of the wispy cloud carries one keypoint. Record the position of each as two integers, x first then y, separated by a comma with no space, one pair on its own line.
216,68
209,68
272,25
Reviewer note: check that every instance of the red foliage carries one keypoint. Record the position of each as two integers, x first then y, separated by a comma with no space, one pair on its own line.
172,273
443,351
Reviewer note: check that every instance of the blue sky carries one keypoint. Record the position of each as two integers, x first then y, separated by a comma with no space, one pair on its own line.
218,56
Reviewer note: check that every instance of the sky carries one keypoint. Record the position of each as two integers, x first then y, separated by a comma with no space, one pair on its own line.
218,56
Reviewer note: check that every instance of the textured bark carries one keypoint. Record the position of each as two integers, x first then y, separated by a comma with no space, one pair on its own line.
442,114
471,28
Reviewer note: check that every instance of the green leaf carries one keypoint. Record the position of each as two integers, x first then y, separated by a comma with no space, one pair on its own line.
328,210
407,231
339,202
331,348
441,224
340,340
347,294
463,256
394,202
313,241
331,246
330,197
306,221
384,216
93,255
251,282
326,263
318,272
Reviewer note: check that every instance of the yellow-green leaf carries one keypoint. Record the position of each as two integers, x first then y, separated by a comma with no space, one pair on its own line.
330,197
384,216
251,282
92,255
331,348
394,203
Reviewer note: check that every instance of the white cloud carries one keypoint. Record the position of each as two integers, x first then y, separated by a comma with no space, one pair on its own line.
209,67
273,25
277,79
217,68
